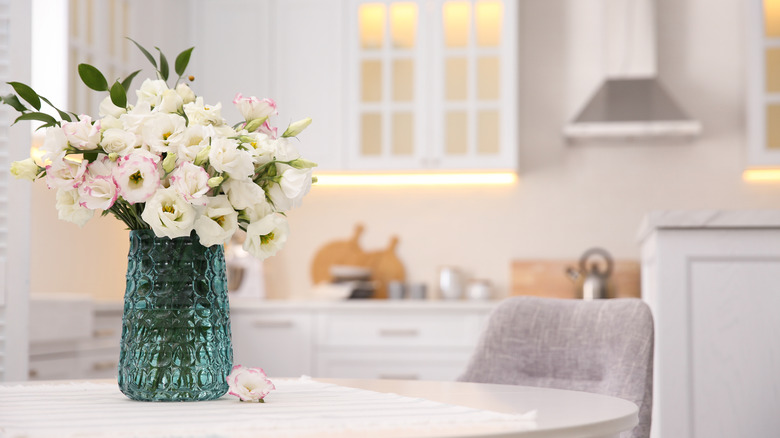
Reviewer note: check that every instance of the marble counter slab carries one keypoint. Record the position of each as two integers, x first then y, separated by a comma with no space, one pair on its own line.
683,219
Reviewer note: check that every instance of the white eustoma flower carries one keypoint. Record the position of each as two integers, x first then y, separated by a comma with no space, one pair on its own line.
260,146
110,122
54,145
284,150
192,140
243,193
249,384
118,141
151,91
135,119
170,102
252,108
98,193
65,174
199,113
169,215
161,131
69,209
137,176
258,211
186,93
82,134
191,182
217,223
225,156
107,108
25,169
264,238
292,187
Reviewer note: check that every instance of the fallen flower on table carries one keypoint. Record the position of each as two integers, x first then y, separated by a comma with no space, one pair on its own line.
249,384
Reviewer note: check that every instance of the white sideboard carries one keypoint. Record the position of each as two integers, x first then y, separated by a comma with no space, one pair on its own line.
426,340
712,279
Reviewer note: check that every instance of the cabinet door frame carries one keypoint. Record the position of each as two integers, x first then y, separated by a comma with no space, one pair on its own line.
757,100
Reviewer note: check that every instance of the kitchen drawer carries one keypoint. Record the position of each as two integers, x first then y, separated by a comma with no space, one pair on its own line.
108,326
379,328
54,367
405,364
278,342
99,364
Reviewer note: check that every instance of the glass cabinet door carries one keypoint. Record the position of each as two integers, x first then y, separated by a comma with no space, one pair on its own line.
764,84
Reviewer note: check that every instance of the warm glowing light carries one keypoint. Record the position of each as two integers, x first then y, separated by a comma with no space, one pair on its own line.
489,18
457,16
371,17
407,179
403,24
761,175
772,18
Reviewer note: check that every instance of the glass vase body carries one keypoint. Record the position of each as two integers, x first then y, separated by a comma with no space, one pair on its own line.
176,341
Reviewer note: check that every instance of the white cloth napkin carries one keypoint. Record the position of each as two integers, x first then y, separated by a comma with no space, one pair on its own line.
296,408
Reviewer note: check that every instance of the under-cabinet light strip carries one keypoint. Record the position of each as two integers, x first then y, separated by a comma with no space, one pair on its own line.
761,175
406,179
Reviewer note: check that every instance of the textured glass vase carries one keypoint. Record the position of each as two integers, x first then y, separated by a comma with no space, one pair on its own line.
176,342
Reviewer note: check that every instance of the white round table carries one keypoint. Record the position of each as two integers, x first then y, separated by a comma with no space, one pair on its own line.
560,413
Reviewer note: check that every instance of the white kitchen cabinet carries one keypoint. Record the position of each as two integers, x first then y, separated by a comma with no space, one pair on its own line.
431,85
712,280
763,103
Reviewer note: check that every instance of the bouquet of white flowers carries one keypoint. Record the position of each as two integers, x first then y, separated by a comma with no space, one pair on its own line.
170,162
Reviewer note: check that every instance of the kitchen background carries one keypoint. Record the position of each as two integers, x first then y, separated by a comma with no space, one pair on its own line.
569,196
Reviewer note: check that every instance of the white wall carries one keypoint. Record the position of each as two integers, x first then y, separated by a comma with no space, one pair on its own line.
569,197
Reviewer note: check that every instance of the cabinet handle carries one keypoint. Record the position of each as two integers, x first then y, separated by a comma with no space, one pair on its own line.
399,376
103,333
398,333
33,373
104,366
273,323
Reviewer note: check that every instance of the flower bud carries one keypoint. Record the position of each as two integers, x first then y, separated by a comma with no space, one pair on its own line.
314,179
202,156
25,169
113,157
296,128
300,163
255,123
215,181
169,163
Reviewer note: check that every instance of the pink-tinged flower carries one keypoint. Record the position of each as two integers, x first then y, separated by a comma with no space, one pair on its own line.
268,130
69,208
98,193
249,384
82,135
137,176
65,174
191,182
253,108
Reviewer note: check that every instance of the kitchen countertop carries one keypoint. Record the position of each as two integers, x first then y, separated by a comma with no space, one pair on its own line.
680,219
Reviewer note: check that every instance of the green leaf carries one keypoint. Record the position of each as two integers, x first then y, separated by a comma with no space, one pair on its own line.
118,95
145,52
63,114
48,125
14,102
129,80
90,156
182,60
163,65
92,77
41,117
27,93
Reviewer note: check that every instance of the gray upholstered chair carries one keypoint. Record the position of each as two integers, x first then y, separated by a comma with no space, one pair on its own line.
601,346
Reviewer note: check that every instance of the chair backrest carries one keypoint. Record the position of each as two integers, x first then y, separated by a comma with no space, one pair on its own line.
601,346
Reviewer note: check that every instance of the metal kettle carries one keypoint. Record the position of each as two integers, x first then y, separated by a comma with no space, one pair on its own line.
593,279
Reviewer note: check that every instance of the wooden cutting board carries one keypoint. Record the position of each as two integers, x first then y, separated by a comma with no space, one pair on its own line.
384,264
547,278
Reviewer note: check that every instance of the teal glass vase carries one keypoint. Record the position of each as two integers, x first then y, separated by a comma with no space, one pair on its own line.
176,343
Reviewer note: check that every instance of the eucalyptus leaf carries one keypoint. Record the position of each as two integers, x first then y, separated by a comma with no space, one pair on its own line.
145,52
41,117
92,77
129,80
182,60
163,65
27,93
118,95
14,102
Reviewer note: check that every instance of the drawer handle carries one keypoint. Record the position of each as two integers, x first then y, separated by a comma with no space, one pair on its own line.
269,323
399,333
103,333
104,366
399,376
33,373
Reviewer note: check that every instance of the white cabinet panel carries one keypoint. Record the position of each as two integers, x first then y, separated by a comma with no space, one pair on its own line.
397,364
278,342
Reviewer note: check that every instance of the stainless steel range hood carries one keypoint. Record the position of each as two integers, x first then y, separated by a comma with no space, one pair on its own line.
630,102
